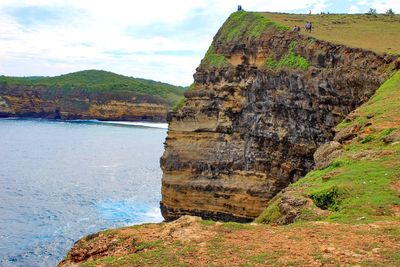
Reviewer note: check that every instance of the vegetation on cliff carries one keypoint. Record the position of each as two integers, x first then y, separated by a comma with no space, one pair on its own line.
291,60
378,33
93,81
213,59
242,25
361,181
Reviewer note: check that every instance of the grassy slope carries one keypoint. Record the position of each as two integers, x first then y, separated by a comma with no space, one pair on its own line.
362,184
377,33
95,81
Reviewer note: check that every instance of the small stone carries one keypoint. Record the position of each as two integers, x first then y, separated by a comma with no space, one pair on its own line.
370,116
328,249
376,250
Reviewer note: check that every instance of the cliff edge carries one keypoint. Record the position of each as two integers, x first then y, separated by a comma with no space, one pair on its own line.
263,100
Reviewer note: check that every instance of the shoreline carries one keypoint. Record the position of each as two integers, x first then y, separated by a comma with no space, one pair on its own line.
145,124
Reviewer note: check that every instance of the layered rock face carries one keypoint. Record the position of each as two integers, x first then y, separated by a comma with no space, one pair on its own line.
251,124
42,102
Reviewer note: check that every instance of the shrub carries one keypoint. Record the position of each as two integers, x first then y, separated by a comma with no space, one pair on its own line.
390,12
367,139
178,105
372,11
327,199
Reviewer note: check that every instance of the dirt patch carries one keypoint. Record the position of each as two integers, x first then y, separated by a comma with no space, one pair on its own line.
370,154
395,210
396,186
192,242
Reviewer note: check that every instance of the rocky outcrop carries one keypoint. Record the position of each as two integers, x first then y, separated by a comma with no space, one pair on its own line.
254,119
56,103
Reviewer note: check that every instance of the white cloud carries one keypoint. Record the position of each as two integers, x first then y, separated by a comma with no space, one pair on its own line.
354,9
380,5
86,33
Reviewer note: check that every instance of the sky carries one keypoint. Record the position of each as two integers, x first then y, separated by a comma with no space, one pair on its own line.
153,39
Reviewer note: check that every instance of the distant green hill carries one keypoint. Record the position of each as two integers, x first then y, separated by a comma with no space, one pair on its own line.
97,80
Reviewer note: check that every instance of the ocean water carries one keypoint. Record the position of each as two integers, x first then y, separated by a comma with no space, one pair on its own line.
60,181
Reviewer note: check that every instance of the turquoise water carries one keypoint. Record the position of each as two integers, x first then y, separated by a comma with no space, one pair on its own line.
60,181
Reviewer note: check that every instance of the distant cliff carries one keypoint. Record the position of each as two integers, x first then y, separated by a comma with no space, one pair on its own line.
264,99
87,95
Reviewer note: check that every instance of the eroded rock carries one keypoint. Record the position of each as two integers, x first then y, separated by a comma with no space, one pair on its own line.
326,153
247,131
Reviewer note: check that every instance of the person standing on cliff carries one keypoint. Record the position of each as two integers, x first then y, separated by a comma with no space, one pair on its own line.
308,27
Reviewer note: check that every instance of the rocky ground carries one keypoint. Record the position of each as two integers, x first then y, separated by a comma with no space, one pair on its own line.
191,241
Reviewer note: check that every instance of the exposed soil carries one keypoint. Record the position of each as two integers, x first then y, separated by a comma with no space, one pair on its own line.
192,242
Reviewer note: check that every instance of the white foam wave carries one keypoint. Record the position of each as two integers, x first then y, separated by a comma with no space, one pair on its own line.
143,124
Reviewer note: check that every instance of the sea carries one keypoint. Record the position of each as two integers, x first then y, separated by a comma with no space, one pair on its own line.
62,180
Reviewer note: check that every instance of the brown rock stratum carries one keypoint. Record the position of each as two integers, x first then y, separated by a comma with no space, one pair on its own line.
55,103
246,131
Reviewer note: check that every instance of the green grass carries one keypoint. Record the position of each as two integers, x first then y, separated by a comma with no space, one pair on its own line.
157,254
360,181
271,213
290,61
147,245
235,226
96,81
265,258
212,59
361,189
179,104
241,25
377,33
207,222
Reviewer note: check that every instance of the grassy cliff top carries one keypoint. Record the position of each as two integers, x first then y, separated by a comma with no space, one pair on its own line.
97,80
379,33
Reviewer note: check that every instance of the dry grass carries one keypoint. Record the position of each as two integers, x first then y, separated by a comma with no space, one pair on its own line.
379,33
204,243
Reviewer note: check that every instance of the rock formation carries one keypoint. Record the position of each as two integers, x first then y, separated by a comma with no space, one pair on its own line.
264,98
53,103
87,94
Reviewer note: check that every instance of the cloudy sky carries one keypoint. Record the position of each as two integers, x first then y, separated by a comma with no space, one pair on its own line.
155,39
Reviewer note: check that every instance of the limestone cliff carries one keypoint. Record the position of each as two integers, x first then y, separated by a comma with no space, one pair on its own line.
264,98
41,102
88,94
